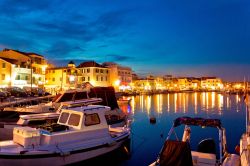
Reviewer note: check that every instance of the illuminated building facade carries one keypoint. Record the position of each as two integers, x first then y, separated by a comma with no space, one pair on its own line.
96,74
211,83
120,76
62,78
16,68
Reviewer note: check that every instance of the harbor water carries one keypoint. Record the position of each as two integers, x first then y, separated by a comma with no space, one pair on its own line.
147,138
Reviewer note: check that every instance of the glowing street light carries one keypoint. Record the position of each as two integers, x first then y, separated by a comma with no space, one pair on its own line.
117,82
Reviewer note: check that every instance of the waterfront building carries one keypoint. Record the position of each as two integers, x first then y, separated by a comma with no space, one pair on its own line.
16,68
145,84
168,82
62,78
211,83
120,76
96,74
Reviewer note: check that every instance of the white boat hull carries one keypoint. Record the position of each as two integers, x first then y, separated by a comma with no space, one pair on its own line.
60,159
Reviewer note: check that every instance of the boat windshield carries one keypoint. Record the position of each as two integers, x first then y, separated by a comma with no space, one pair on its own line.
80,95
67,97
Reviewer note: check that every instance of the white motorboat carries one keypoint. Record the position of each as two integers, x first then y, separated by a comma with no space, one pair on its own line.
178,152
81,133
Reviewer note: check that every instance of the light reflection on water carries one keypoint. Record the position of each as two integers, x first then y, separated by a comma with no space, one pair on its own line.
146,140
185,102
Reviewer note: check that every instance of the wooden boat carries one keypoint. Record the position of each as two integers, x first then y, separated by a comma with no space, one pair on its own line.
81,133
178,152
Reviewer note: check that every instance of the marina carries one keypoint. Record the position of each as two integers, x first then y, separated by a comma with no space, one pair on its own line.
147,138
124,83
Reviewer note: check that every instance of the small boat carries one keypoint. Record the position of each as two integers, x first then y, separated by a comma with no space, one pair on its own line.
81,133
178,152
124,100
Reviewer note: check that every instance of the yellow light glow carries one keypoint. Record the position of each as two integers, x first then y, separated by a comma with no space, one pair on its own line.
44,68
117,82
92,82
71,78
8,78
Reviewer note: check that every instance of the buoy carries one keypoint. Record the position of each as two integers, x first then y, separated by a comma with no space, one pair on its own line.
152,120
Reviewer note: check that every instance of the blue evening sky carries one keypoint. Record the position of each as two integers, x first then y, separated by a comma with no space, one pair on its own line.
179,37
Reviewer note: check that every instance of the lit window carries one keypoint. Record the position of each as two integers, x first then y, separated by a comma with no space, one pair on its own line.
18,77
3,65
3,76
91,119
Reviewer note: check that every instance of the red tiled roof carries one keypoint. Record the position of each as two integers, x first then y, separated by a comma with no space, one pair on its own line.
12,61
90,64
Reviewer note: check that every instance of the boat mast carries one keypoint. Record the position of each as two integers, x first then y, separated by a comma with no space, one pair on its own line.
247,108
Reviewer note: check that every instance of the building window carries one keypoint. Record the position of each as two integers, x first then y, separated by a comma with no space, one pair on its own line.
83,78
88,78
3,76
101,71
53,71
88,70
106,78
97,70
101,79
53,79
60,78
107,71
96,78
18,77
26,77
3,65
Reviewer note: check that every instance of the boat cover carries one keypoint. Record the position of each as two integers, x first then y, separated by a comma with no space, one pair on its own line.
107,94
197,122
176,153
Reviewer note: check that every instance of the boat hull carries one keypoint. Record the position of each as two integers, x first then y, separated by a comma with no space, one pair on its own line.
60,158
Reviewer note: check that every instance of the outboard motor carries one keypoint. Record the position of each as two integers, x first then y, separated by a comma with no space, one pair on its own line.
207,146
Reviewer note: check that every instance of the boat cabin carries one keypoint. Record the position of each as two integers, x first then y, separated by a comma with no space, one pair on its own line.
90,117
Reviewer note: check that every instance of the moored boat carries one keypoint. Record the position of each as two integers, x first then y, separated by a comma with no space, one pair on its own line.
178,152
124,100
81,133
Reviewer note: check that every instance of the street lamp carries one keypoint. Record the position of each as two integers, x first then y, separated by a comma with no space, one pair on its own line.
31,79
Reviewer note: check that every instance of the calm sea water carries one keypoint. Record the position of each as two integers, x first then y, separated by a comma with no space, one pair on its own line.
147,139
